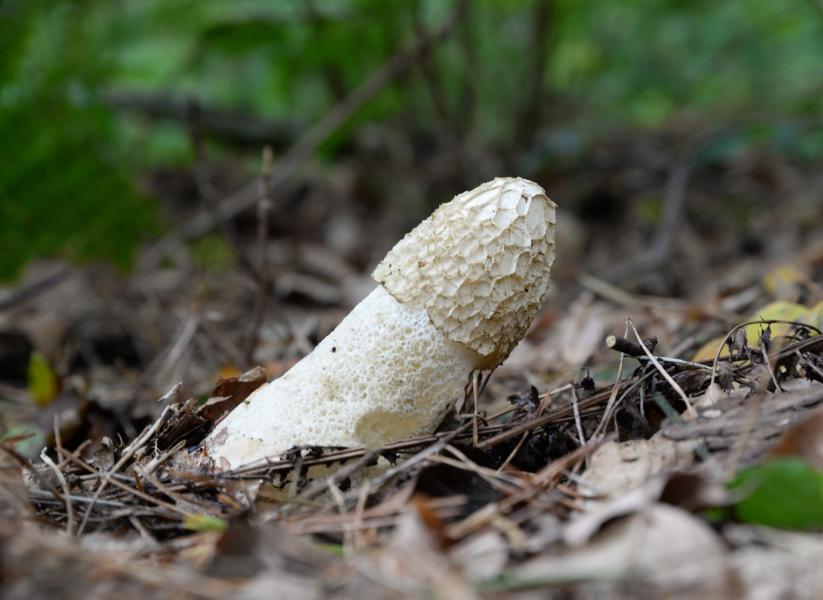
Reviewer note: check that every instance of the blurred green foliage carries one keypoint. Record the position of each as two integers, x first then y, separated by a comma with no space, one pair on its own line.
784,492
42,381
65,186
70,160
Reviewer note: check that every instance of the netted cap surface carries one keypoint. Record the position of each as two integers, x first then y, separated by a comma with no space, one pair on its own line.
480,265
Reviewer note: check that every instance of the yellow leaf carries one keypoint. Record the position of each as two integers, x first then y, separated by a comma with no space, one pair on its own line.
776,311
783,280
814,316
709,349
42,382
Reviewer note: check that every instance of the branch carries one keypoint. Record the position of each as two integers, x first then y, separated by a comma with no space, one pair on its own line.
530,117
308,143
231,126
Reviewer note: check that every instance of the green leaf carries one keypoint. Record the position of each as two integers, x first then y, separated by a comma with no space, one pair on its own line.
42,382
204,523
784,492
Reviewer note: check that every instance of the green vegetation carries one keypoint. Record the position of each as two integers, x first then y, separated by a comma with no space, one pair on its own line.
71,160
783,492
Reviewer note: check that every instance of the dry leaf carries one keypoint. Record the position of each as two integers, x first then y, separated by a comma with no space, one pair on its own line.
230,392
663,546
414,563
804,440
618,467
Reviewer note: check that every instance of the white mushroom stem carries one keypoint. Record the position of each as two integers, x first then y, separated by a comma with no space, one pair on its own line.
455,295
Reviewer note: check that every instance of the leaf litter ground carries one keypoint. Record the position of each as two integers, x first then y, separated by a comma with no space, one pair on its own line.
645,472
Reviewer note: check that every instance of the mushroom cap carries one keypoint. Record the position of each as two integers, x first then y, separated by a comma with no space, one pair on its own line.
480,265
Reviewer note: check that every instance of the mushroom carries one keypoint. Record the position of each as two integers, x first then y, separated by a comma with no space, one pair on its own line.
456,294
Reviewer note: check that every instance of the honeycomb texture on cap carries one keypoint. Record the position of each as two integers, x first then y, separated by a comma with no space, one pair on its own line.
385,373
480,264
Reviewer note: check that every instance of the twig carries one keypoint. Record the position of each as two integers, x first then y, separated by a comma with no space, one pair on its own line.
421,456
468,87
33,289
577,423
475,413
540,480
66,491
615,390
625,346
663,371
808,363
127,455
734,330
433,82
493,476
264,206
230,126
348,470
543,402
768,364
674,199
58,440
306,145
534,95
753,414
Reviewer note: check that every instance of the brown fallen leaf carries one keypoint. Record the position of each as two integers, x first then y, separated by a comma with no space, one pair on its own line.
230,392
662,546
615,468
415,564
805,440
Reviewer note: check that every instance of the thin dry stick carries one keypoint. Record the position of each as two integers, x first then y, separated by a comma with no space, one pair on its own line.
768,364
615,390
159,460
734,330
510,432
264,206
476,413
306,145
318,487
663,371
808,363
58,441
66,491
464,463
543,402
421,456
541,479
577,423
127,455
359,510
752,416
124,487
348,529
265,468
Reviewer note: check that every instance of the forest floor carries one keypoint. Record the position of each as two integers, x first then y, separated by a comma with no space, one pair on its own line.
656,433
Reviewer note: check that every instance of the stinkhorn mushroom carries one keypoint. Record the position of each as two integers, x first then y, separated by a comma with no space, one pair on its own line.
456,294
